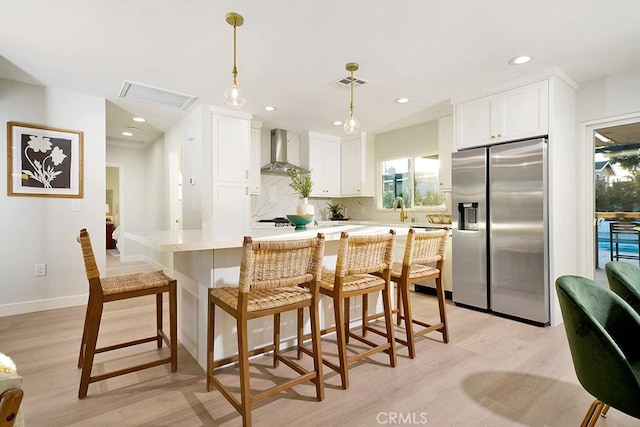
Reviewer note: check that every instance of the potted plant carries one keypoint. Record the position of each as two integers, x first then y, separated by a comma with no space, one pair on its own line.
302,184
336,210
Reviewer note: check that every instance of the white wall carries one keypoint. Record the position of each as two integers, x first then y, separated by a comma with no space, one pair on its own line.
608,96
187,135
418,140
41,229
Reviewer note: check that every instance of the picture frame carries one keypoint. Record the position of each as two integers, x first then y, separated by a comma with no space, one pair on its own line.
43,161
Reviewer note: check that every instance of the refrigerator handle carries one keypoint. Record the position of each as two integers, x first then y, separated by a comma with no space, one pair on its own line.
468,216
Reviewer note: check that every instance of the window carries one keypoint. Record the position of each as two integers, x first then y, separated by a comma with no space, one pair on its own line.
415,179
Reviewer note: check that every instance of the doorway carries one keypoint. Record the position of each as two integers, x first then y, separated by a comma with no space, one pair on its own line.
114,209
616,192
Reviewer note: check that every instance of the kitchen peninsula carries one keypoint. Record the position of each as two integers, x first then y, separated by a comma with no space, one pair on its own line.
199,262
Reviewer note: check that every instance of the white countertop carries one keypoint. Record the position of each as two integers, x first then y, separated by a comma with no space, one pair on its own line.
195,240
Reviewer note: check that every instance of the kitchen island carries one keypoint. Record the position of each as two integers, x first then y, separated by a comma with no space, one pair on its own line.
199,262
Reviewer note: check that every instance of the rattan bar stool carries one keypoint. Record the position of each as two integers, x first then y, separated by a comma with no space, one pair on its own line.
275,276
107,289
422,249
358,257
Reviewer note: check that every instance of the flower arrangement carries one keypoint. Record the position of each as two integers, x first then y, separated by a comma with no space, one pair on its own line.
301,184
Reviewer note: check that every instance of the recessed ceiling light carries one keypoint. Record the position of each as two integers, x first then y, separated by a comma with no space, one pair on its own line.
127,133
139,119
337,123
403,100
519,60
270,108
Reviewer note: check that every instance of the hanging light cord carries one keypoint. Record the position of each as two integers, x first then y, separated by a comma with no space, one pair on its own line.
235,69
351,104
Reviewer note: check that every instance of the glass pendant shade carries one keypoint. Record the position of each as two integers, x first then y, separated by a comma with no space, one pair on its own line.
352,125
234,96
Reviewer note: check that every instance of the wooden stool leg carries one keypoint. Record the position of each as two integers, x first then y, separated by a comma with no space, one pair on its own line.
243,361
399,305
276,339
300,332
211,317
338,309
365,313
159,318
94,315
408,318
173,324
347,318
83,343
317,349
442,306
388,318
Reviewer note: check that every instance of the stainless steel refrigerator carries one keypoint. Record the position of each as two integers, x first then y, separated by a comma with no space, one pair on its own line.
500,240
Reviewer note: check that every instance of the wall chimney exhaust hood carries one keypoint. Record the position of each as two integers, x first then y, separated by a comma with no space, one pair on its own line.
279,164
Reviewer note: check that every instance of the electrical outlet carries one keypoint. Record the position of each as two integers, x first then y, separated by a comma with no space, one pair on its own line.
41,269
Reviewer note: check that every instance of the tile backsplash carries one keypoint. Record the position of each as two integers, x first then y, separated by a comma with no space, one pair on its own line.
277,199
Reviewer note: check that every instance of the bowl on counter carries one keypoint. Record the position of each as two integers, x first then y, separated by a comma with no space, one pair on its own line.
300,221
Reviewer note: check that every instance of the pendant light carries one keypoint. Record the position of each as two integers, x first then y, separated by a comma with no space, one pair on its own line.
352,124
233,96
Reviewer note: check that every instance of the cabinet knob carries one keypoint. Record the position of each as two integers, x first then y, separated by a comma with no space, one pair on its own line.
499,135
493,136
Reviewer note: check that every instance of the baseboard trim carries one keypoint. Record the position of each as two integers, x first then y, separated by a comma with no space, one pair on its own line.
432,291
42,305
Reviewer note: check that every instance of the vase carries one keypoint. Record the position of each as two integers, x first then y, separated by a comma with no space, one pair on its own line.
305,208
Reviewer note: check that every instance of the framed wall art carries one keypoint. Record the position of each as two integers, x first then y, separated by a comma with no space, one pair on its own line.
43,161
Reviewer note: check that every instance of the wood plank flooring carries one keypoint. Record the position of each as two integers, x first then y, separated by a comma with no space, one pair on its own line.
494,372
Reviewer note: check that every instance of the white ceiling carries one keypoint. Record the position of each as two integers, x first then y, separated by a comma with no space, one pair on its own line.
290,52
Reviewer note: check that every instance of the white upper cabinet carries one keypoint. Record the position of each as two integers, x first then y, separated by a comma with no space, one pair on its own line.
517,113
255,156
357,166
230,164
445,148
321,155
231,137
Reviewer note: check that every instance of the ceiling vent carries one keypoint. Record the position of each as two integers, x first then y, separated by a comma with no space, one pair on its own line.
154,95
345,83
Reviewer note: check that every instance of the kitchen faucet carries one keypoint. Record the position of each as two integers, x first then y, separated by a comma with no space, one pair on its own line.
403,215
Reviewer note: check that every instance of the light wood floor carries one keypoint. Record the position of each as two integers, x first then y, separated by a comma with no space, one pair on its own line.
494,372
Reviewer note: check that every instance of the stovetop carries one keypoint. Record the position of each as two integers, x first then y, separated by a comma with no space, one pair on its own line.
279,221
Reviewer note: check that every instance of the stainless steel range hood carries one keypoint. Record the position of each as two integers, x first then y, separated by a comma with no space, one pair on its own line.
279,164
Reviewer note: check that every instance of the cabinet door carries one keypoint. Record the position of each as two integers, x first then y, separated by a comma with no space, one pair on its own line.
331,161
316,166
230,144
351,167
256,160
475,122
445,148
231,210
524,111
322,157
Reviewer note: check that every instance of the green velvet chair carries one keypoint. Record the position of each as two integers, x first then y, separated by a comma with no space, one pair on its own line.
624,280
603,332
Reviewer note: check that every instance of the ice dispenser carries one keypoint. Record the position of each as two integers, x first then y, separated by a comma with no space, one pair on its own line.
468,216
